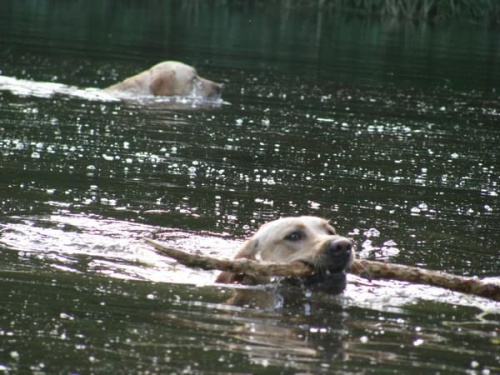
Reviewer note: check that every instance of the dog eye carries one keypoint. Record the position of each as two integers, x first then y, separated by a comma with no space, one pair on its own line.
294,236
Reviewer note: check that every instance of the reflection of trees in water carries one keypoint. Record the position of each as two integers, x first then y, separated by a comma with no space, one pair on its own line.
235,32
413,9
137,17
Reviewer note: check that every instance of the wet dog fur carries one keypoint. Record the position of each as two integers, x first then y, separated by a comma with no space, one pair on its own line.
168,78
307,239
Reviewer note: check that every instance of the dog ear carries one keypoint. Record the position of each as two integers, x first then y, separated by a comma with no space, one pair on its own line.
248,251
162,83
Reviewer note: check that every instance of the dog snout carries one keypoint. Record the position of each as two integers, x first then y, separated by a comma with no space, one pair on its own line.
340,246
339,253
214,90
217,90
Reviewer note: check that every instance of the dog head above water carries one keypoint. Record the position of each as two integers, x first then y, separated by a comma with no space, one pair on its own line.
168,78
306,239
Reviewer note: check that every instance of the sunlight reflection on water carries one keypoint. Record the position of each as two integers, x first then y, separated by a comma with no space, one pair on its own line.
115,248
91,245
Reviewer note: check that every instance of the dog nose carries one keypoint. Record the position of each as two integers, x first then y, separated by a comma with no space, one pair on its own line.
339,253
340,246
219,88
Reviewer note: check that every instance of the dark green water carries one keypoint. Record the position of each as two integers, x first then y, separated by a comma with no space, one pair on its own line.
390,130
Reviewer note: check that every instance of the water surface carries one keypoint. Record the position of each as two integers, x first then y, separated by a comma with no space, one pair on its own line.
390,130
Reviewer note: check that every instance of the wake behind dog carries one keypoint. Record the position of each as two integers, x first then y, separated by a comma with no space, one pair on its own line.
166,82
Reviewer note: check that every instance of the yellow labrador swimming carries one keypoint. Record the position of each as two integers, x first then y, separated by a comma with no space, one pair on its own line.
308,239
168,78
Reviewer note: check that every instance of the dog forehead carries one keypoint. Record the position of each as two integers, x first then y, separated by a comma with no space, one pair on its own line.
286,224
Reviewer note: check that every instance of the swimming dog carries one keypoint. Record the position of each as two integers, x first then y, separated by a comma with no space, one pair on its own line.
168,78
307,239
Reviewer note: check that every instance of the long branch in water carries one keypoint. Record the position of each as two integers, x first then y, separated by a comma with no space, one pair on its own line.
361,267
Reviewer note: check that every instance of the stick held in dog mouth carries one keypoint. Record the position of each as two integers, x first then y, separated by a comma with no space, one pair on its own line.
239,266
361,267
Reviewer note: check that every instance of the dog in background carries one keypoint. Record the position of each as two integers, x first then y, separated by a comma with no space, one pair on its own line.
168,78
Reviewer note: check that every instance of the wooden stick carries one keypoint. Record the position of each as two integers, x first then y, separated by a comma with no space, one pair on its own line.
391,271
361,267
242,265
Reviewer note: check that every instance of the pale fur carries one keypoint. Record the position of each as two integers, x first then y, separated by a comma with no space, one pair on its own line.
270,244
168,78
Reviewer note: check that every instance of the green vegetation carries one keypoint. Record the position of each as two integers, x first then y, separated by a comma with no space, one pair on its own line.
469,10
477,10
